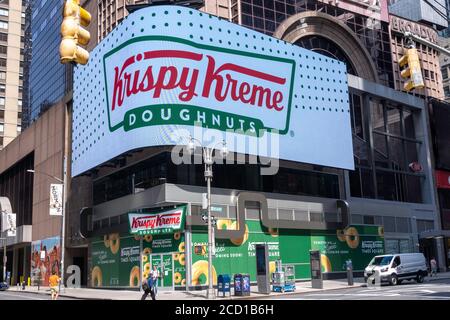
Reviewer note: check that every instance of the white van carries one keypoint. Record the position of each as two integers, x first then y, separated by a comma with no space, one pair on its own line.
394,268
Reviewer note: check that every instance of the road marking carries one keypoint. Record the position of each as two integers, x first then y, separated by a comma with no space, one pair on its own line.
21,296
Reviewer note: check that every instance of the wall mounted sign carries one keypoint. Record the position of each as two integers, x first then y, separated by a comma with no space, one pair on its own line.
169,221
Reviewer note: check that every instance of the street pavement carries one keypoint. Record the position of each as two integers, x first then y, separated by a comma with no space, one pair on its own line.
408,290
14,295
436,288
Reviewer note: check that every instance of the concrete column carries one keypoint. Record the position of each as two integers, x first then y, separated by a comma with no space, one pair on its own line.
15,267
414,234
441,254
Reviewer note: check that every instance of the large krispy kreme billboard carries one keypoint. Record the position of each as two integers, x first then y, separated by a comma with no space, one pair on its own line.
167,68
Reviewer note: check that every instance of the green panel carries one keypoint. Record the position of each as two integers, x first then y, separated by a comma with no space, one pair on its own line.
358,243
293,246
115,261
237,256
118,265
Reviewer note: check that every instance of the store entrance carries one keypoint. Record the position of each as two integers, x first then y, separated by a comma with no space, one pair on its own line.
164,264
428,249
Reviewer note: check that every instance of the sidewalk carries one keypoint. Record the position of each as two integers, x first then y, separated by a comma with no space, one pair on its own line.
107,294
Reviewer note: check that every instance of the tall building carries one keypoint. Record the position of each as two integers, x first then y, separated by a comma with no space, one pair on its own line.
12,24
445,68
430,12
27,51
49,79
389,132
429,56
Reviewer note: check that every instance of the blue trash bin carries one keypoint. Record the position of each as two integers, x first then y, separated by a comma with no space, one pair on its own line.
238,284
245,284
223,284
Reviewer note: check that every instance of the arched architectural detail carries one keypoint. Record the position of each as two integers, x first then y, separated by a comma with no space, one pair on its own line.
312,23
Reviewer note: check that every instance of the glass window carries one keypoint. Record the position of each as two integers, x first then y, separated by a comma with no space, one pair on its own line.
409,124
377,116
369,220
444,73
402,225
394,121
357,219
389,224
392,246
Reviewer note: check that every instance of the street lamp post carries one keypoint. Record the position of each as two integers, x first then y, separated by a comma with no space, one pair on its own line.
63,213
208,159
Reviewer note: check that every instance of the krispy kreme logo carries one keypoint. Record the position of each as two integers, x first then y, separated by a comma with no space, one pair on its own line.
165,80
156,223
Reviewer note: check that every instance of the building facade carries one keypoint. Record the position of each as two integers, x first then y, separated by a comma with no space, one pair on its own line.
439,117
385,203
390,132
49,80
445,67
430,12
429,57
12,23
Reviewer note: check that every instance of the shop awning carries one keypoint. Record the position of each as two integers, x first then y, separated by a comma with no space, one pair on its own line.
434,234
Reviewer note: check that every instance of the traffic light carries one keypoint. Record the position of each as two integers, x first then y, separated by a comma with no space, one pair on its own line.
73,34
412,71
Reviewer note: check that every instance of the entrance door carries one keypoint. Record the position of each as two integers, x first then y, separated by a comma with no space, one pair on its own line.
164,264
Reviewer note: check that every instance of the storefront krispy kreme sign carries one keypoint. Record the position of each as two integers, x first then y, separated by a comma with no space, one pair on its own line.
157,80
156,223
167,72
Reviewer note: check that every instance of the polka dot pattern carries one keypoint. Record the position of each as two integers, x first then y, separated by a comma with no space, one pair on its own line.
319,113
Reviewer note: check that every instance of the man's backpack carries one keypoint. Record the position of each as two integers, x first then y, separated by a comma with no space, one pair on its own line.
145,286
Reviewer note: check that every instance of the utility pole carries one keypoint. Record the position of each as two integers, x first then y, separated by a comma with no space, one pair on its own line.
208,159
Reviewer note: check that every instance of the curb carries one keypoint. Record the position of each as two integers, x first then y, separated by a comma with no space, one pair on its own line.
429,279
61,295
270,295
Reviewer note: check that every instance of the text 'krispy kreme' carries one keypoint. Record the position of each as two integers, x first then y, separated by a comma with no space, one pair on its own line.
157,221
232,89
220,81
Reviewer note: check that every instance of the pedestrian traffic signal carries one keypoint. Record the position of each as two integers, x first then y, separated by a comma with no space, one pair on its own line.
73,34
411,70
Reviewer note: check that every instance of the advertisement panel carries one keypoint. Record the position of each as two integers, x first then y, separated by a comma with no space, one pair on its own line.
45,258
56,199
168,221
167,72
9,223
116,259
358,243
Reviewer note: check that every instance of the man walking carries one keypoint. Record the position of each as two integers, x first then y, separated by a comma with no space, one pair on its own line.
149,288
433,266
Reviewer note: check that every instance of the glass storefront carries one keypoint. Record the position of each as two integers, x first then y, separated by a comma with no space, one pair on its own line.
382,168
394,246
160,169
